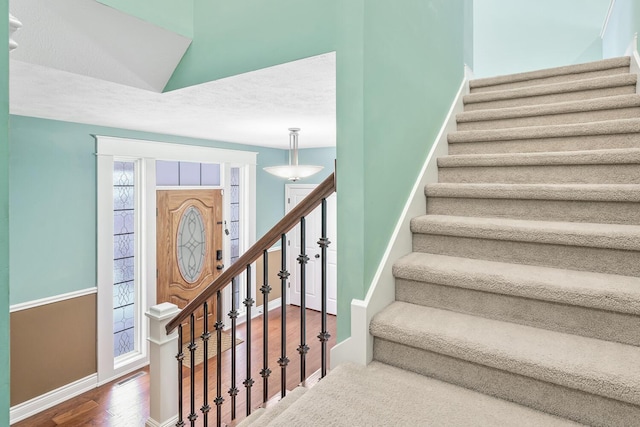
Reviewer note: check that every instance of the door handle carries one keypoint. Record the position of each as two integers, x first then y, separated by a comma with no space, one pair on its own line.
317,255
219,266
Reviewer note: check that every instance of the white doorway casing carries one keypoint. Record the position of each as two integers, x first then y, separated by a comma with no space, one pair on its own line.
145,154
294,194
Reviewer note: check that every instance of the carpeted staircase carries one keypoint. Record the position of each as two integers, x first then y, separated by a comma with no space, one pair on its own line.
520,304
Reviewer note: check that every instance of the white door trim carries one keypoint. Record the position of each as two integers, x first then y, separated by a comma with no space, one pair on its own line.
146,153
292,261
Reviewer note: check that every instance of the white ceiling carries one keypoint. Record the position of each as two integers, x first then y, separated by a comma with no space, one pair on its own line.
67,67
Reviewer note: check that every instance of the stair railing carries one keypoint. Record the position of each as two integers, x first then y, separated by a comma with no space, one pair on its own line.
213,292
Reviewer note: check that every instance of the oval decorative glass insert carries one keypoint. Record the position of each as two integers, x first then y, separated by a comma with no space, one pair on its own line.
191,244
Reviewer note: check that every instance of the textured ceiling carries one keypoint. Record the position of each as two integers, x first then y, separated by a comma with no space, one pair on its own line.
71,72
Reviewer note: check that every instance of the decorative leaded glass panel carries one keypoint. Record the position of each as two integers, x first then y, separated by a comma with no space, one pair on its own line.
191,244
124,193
123,222
123,342
123,246
123,294
123,270
234,224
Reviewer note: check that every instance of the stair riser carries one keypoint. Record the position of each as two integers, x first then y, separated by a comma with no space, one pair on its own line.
552,98
552,174
593,323
551,255
544,210
573,143
552,79
554,399
554,119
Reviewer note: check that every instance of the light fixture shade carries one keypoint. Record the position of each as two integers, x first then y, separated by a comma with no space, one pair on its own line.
293,172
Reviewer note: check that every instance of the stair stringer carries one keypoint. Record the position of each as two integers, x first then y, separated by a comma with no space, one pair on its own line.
358,348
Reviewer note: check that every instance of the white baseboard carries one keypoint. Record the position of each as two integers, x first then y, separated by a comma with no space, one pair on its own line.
255,312
169,423
276,303
52,398
634,66
359,347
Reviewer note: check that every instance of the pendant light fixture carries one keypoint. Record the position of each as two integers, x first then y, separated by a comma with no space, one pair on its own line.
293,171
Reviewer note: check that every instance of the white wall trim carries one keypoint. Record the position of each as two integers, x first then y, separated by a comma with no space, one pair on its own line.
358,348
52,300
112,146
605,24
634,66
170,423
52,398
142,362
274,304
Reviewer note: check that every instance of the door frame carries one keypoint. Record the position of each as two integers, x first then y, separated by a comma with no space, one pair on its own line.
145,154
292,258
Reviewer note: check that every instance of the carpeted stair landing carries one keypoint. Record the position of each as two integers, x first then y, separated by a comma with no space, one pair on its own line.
520,304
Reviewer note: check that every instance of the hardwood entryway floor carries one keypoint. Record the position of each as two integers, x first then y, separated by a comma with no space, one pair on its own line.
125,402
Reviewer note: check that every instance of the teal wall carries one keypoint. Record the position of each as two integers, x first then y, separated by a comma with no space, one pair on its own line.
320,157
53,201
623,24
512,36
4,216
173,15
234,37
399,69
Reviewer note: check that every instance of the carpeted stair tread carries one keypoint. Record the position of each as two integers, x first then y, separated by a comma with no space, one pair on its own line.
580,192
553,88
272,412
587,289
590,365
382,395
549,72
617,156
608,236
596,104
609,127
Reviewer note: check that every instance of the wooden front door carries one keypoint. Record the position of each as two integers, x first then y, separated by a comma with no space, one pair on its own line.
189,245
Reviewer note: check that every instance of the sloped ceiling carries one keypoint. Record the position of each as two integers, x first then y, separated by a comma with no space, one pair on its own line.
81,61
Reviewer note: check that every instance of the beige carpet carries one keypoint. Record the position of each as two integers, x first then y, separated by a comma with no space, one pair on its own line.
522,293
212,350
381,395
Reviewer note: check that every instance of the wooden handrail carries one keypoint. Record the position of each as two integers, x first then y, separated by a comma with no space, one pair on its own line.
289,221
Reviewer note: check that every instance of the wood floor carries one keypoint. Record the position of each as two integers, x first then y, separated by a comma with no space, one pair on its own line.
125,402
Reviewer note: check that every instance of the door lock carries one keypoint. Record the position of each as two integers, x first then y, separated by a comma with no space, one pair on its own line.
219,266
317,255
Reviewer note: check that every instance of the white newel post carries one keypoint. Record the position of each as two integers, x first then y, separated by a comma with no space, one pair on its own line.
163,396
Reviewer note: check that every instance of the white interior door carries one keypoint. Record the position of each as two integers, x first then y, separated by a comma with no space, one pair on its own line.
313,230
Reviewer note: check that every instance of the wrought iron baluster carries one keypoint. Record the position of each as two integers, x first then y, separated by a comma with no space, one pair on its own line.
218,326
265,289
248,302
324,334
180,358
284,275
303,348
192,350
205,368
233,315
